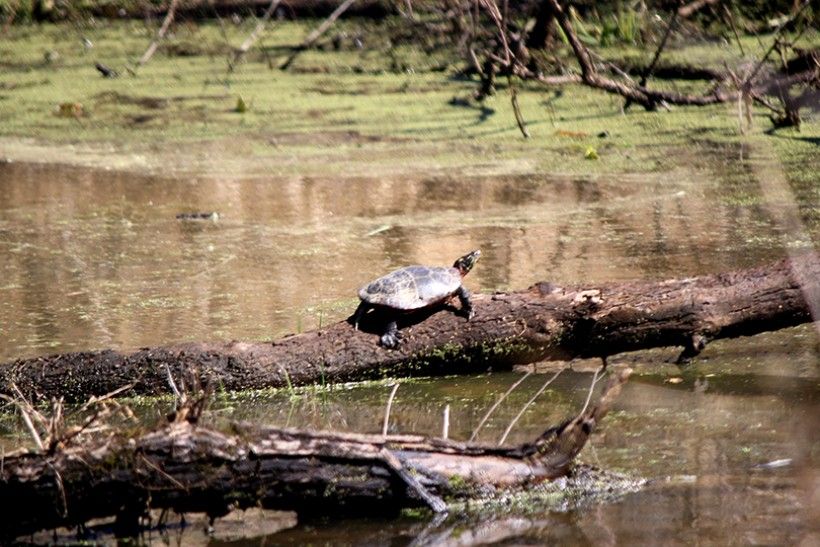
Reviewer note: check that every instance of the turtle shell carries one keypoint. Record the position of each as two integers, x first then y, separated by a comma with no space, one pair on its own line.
412,287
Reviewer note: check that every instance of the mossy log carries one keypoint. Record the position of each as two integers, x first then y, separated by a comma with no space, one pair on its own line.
186,468
540,323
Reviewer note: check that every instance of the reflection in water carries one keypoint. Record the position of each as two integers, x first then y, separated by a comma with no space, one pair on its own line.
93,258
96,258
700,441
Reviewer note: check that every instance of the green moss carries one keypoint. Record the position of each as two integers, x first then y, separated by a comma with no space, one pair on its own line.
379,109
585,485
458,484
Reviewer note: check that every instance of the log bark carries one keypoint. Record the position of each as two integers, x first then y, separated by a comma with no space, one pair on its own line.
541,323
186,468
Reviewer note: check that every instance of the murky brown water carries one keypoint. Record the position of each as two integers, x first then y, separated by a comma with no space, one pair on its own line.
92,259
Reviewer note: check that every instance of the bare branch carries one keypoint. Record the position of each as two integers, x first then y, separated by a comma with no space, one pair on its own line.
648,71
316,34
387,409
526,406
166,23
775,41
254,36
498,402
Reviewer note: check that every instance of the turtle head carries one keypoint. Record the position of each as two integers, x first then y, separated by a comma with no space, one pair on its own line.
466,262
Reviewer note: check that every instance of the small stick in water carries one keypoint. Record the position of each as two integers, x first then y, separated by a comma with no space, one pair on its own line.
498,402
387,410
526,406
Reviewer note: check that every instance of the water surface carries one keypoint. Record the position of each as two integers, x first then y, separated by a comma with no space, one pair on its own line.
97,258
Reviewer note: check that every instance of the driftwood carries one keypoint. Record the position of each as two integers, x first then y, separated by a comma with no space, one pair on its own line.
542,322
187,468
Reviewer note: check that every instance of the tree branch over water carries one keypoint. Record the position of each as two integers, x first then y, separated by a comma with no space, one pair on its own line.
651,98
542,322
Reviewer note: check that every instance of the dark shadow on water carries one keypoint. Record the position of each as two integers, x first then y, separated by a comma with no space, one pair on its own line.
787,388
774,132
484,112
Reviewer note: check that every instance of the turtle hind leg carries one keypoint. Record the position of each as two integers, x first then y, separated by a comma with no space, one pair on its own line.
466,305
391,336
359,313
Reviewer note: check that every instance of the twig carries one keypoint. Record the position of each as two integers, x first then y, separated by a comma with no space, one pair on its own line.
495,14
177,394
61,488
734,28
33,411
519,119
109,395
651,68
387,410
591,387
760,99
777,32
526,406
222,31
26,410
254,36
219,20
647,72
55,422
31,428
497,403
166,23
313,36
159,470
509,60
409,5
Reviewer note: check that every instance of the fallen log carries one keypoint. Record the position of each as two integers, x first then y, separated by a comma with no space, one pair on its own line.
186,468
544,322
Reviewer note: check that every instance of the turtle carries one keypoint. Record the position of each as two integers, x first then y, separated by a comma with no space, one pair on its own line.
413,288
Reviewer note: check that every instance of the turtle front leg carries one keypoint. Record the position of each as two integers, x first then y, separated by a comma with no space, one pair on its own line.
466,305
359,313
390,338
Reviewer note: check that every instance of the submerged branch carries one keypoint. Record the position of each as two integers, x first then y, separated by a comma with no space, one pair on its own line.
186,468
